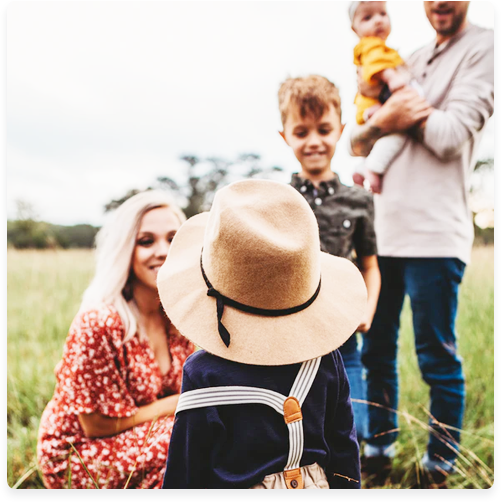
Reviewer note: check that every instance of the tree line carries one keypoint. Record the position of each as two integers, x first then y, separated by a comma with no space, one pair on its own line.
193,189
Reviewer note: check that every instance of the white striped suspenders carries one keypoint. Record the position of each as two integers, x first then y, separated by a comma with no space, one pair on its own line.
288,406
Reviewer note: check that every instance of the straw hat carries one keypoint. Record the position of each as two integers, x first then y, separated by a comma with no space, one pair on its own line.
247,281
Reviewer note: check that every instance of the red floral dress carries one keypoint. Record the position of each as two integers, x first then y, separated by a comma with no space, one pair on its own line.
99,373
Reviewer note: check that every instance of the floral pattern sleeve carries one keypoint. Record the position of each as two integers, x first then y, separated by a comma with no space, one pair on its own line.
92,373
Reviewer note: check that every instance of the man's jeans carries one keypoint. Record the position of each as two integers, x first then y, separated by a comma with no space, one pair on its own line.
432,285
354,370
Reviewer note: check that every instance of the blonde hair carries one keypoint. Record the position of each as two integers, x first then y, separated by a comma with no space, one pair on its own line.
311,94
115,244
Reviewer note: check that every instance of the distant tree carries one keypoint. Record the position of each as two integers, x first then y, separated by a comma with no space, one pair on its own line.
483,165
25,231
481,207
118,202
75,236
196,186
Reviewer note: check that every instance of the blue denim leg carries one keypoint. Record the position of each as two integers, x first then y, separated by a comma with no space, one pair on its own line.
353,364
379,355
433,287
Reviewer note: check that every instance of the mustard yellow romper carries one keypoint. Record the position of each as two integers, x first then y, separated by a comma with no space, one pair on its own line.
374,56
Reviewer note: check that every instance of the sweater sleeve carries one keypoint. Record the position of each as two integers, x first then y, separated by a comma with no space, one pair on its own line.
343,470
188,461
469,104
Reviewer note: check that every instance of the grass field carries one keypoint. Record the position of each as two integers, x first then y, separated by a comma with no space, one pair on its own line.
44,291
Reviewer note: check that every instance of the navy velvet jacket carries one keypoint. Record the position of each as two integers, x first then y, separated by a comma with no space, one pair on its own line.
236,446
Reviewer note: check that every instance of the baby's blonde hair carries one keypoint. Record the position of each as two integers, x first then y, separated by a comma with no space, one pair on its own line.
311,95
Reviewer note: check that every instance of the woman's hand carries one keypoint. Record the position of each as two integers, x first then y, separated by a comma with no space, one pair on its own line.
96,425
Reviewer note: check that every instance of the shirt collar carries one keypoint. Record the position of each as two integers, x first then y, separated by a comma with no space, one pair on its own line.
436,50
297,182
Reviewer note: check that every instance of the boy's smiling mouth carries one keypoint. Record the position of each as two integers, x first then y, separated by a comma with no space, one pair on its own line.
314,154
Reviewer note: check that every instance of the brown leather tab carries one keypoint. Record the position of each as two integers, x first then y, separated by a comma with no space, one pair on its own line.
294,479
292,410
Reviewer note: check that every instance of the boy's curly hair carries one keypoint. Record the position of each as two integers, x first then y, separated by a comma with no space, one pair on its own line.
311,94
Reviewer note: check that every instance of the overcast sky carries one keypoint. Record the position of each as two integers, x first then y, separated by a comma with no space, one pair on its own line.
105,96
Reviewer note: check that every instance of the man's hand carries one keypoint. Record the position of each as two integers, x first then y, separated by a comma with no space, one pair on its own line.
404,109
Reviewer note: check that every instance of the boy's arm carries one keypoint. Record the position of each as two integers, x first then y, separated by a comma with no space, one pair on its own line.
364,242
370,271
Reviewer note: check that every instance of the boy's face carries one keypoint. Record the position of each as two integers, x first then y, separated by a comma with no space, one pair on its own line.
312,140
371,20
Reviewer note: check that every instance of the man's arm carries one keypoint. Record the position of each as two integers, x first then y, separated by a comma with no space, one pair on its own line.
403,110
469,104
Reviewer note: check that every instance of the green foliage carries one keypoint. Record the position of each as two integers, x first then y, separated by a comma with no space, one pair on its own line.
484,236
118,202
75,236
29,234
201,178
44,292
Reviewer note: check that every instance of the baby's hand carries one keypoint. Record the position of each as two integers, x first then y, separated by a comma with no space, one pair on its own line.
397,82
393,79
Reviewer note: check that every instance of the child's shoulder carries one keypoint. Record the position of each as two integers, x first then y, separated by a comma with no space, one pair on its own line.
203,369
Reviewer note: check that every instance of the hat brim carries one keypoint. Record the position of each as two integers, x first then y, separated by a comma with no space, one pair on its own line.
271,341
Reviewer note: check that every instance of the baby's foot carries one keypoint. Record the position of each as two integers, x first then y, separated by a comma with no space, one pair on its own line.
358,179
375,181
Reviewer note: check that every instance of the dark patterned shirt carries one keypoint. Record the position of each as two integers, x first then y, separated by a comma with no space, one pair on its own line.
345,216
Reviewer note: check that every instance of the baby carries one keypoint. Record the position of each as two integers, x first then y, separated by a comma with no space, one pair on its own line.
379,64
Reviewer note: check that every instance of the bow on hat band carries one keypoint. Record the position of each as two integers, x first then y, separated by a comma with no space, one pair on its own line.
222,300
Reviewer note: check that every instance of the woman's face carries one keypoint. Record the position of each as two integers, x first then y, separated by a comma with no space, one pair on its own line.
156,231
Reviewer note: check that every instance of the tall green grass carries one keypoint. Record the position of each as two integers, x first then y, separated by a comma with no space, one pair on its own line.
44,292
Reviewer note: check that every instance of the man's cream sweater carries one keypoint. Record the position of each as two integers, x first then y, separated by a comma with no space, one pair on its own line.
423,209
